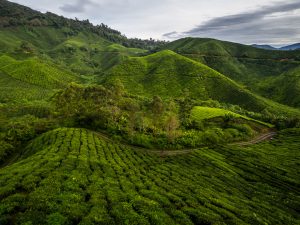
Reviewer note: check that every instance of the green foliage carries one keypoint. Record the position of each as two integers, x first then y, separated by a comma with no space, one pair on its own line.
74,176
14,15
262,71
16,132
169,75
159,101
200,113
33,71
30,79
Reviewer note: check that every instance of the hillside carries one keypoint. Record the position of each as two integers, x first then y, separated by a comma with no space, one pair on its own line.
244,64
98,128
291,47
75,176
283,88
14,15
79,46
83,52
30,79
200,113
168,74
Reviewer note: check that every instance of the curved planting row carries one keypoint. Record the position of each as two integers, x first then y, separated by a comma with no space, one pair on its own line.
72,176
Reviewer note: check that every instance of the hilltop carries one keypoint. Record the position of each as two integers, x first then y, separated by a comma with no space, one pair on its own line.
247,65
14,15
169,74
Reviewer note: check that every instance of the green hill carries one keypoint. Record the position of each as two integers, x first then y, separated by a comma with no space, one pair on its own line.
76,45
283,88
82,52
245,64
171,75
73,176
13,15
30,79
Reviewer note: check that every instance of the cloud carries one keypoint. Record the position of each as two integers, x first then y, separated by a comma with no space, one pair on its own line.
269,24
78,7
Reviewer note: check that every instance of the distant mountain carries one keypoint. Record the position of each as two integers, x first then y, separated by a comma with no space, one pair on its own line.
266,47
285,48
291,47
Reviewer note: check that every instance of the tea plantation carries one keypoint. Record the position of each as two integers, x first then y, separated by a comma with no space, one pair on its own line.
74,176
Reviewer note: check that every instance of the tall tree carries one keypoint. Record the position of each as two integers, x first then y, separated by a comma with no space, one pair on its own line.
171,126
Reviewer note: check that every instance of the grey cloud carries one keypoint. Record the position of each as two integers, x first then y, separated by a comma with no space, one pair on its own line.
259,26
78,7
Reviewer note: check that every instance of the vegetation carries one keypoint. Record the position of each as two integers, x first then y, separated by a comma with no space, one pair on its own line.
171,75
14,15
255,68
201,113
95,128
74,176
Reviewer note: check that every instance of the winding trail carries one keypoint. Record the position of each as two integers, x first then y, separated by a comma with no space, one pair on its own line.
162,152
258,139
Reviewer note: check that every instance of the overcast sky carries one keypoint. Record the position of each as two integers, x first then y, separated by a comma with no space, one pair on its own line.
274,22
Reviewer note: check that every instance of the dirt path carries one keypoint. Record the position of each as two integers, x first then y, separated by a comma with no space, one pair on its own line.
258,139
161,152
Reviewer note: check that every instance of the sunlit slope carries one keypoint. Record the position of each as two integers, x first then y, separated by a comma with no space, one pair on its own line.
171,75
30,79
82,52
251,66
200,113
75,176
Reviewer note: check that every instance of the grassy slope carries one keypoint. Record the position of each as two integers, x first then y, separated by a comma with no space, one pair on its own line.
74,176
200,113
284,88
170,75
83,53
30,79
242,63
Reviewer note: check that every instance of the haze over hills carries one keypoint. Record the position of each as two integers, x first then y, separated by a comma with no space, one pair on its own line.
284,48
96,128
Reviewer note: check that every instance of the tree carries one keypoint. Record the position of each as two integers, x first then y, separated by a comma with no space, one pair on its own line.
27,47
117,88
171,126
157,106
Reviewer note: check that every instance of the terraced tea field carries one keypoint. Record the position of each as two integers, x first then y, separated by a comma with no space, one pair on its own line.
73,176
200,113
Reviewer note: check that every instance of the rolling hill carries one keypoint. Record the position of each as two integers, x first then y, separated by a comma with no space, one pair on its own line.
168,74
30,79
95,128
245,64
283,88
284,48
78,46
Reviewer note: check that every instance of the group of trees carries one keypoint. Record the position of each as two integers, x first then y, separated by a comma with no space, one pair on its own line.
112,110
142,121
16,132
12,14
